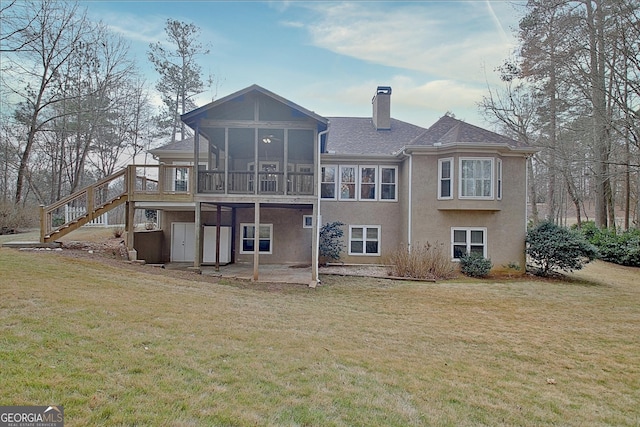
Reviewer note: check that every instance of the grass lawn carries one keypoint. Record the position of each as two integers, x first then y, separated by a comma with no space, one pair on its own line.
124,345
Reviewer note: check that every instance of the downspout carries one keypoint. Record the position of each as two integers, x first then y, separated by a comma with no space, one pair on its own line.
319,191
409,217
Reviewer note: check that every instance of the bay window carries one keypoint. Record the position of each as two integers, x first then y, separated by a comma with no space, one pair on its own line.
476,178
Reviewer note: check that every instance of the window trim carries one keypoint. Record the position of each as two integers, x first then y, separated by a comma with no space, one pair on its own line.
440,178
499,183
361,183
251,224
355,183
395,184
304,221
364,240
491,175
335,182
468,231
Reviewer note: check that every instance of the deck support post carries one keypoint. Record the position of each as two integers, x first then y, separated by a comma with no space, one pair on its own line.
256,241
314,247
197,260
130,227
218,220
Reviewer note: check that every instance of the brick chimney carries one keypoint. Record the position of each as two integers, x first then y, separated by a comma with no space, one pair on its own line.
382,108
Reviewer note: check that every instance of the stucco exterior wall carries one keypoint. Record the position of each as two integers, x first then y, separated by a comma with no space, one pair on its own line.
503,219
385,214
291,242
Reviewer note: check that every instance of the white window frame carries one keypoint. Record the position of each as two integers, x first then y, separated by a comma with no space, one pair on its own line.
461,195
467,242
355,183
307,221
364,239
369,185
335,181
251,224
441,178
395,183
499,188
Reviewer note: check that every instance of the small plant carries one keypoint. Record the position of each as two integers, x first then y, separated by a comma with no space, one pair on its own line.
421,262
475,265
118,232
331,245
552,247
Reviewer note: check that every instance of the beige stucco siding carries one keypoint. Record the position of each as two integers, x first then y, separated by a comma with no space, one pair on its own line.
291,242
504,219
387,215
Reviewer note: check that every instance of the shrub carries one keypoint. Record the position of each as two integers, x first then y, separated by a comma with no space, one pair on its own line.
14,218
422,262
618,247
552,247
331,245
118,231
475,265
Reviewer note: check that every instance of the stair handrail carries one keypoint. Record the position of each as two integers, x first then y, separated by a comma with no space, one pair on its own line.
45,211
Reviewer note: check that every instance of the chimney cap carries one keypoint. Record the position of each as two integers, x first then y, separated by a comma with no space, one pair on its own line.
385,90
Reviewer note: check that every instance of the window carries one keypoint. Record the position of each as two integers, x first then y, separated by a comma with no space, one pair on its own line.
307,221
347,183
499,179
368,182
468,240
364,240
388,183
181,183
476,178
328,182
265,238
445,174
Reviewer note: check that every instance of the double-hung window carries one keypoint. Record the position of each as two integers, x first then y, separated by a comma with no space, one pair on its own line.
265,238
445,178
347,183
328,182
368,178
468,241
476,178
388,183
364,240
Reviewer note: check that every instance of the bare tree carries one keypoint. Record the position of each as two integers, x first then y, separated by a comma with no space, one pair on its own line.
49,43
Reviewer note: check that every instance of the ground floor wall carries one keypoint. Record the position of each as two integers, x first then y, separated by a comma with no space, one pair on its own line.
372,230
289,240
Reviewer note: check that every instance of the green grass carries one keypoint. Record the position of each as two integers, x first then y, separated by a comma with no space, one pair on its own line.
121,345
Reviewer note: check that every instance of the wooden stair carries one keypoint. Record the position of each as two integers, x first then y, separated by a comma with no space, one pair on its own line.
86,198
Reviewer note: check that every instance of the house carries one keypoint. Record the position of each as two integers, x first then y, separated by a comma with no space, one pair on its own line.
262,174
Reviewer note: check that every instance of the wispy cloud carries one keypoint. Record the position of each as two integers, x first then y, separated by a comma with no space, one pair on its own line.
417,36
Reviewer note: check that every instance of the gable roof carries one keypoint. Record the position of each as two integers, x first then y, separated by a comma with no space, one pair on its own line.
182,146
358,135
448,130
190,117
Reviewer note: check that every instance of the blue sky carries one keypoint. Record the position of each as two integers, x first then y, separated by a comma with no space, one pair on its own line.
329,57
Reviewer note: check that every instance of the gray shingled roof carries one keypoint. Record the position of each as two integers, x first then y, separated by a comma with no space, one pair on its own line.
448,130
186,145
357,135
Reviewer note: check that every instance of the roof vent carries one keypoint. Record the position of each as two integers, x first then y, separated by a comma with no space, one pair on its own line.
382,108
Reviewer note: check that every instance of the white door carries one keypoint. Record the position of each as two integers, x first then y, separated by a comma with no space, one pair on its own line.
183,237
209,249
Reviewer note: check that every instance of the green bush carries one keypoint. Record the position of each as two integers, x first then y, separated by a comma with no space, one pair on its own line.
551,247
331,245
614,246
475,265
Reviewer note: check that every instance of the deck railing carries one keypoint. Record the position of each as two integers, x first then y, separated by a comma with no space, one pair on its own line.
84,205
242,182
